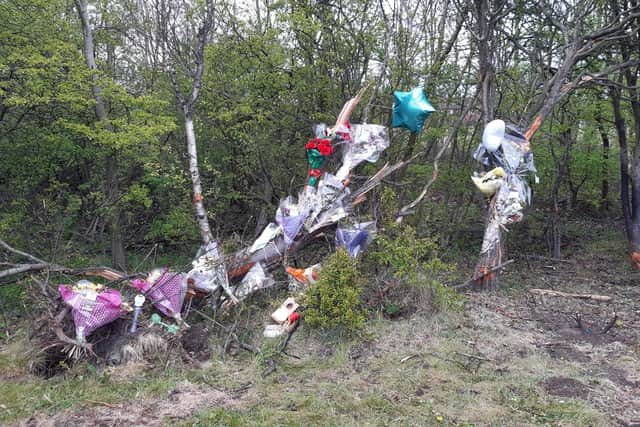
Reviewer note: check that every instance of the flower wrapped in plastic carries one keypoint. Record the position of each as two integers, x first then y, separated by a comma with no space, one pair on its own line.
329,190
355,238
513,196
255,280
209,270
290,217
91,306
317,151
166,290
366,143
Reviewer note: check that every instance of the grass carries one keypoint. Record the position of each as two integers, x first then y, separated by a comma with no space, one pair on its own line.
407,372
24,396
377,389
361,383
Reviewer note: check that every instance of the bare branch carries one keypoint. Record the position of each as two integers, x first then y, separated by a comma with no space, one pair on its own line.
18,252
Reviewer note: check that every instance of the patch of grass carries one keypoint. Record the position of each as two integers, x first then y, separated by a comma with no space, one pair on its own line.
543,410
14,357
20,399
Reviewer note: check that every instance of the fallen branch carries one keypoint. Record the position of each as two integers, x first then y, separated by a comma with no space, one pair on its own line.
23,268
548,292
39,265
473,356
23,254
544,258
271,367
611,323
57,329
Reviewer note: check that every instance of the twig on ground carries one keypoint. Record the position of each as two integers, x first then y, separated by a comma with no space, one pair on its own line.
544,258
473,356
404,359
271,367
611,323
97,402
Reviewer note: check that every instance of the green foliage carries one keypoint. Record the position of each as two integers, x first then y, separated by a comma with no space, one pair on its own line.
177,226
399,255
334,301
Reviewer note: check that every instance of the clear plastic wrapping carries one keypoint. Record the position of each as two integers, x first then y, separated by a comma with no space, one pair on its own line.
291,216
329,190
367,142
255,280
513,196
355,238
270,232
209,271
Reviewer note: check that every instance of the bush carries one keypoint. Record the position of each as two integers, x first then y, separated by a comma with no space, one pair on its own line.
334,301
404,269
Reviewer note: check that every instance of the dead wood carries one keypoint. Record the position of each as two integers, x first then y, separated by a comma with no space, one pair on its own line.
40,265
57,329
610,324
549,292
544,258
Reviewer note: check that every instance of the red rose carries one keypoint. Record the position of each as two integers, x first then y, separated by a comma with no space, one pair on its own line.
325,148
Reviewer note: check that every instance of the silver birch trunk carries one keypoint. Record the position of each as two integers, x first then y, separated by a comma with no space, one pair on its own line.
201,212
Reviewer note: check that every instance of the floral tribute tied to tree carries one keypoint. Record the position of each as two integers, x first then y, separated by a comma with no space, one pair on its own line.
505,152
326,202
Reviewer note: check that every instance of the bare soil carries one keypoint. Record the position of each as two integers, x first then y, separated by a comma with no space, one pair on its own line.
179,404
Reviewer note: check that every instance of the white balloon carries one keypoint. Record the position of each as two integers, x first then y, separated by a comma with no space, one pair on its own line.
493,134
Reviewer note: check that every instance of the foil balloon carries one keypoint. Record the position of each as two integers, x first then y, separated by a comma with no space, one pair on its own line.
493,135
411,109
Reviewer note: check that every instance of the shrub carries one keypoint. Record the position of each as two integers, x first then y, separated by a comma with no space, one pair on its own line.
334,301
404,268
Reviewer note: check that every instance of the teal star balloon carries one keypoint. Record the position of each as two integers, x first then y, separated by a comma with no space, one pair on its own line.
411,109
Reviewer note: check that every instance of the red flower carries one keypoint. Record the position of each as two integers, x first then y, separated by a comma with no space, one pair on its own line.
324,147
293,318
315,172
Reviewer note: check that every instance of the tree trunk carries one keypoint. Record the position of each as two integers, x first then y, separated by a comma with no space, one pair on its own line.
485,30
604,170
201,212
118,255
621,130
491,251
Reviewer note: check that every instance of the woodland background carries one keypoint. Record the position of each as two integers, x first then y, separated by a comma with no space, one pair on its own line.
101,103
73,184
